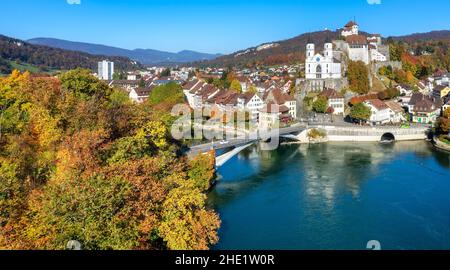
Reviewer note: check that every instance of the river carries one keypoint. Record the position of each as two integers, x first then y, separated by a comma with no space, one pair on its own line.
335,196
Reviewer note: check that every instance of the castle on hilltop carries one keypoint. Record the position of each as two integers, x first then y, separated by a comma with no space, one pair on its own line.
362,48
324,70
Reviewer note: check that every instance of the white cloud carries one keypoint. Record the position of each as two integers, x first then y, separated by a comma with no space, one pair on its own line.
374,2
74,2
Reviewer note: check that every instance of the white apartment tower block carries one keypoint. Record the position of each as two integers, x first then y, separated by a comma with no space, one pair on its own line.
105,70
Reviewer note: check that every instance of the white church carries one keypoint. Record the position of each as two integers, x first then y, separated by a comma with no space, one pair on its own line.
318,66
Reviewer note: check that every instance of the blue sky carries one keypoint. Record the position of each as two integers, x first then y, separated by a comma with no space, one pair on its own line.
211,26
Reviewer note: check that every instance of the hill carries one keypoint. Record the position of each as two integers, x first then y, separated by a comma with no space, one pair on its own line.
433,35
47,58
145,56
292,50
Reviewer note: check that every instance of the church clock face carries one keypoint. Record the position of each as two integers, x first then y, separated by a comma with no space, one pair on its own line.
318,59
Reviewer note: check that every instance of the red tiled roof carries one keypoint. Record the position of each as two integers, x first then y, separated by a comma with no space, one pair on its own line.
331,93
350,24
274,108
378,104
356,40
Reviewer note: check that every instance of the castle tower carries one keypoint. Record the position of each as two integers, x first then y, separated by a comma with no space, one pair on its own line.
310,50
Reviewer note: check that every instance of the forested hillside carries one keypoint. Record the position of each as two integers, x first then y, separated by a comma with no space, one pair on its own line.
47,58
293,50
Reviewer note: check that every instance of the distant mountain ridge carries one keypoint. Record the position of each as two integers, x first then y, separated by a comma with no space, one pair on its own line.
293,50
144,56
433,35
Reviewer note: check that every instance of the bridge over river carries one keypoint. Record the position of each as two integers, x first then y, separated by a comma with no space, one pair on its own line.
336,132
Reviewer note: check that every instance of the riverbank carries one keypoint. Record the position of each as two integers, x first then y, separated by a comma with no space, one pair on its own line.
441,145
365,134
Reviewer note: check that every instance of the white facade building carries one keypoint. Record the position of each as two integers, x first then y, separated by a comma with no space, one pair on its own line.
318,66
350,28
250,102
380,112
105,70
375,55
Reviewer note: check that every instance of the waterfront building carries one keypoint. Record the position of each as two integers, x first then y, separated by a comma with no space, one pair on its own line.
380,111
396,112
272,114
280,98
105,70
250,102
423,108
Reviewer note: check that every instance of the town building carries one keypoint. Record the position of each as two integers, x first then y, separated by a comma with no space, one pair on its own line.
280,98
380,111
250,102
105,70
358,48
127,85
441,91
272,115
351,28
321,66
423,108
335,100
405,89
140,95
396,112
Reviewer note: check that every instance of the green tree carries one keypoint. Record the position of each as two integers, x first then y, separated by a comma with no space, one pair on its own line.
320,105
83,84
360,112
141,83
171,93
165,73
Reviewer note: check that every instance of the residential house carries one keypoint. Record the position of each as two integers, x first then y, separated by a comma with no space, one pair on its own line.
250,102
426,111
278,97
245,83
405,89
423,108
272,114
127,85
380,111
396,112
140,95
441,91
190,89
335,100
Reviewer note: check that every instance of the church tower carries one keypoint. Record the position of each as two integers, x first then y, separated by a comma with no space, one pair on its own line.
328,50
310,50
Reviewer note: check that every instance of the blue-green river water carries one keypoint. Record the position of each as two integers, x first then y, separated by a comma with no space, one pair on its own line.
335,196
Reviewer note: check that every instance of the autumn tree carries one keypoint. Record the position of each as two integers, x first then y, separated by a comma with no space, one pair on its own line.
358,77
79,161
236,86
